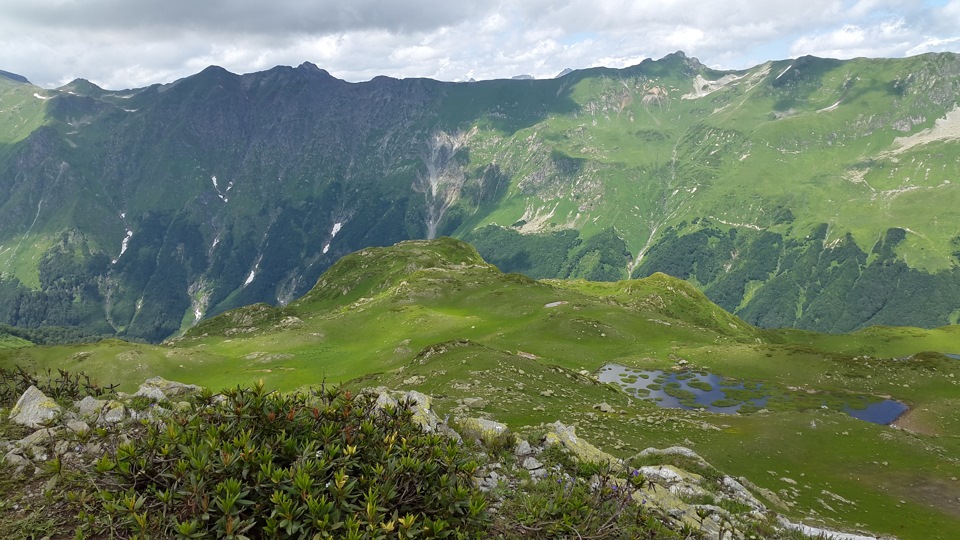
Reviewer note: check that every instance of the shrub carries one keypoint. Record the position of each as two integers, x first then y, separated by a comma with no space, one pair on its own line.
269,465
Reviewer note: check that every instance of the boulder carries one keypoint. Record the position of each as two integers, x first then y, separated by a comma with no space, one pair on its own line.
668,475
34,409
604,407
523,449
486,431
168,388
114,412
422,414
581,449
150,392
736,491
38,438
90,407
420,404
532,463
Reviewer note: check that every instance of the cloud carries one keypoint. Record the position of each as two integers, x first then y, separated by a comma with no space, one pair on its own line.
121,44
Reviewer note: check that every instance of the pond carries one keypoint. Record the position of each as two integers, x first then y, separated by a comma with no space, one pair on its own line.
711,392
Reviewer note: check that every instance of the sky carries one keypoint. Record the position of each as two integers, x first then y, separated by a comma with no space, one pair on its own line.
120,44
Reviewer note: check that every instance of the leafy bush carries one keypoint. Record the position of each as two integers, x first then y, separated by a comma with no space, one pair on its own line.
268,465
563,506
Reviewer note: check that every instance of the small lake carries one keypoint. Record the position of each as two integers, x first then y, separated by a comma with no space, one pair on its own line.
952,355
710,392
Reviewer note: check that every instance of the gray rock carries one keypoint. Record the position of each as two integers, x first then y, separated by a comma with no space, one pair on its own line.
581,449
113,413
486,431
150,392
90,407
78,427
169,388
93,448
472,403
531,463
39,437
604,407
16,460
737,491
34,409
523,449
489,482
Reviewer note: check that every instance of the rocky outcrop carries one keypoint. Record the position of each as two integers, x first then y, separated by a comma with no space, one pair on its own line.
580,449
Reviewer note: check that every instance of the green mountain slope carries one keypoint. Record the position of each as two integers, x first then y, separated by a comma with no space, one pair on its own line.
812,193
434,317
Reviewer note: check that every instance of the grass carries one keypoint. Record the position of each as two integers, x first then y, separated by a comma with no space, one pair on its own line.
455,328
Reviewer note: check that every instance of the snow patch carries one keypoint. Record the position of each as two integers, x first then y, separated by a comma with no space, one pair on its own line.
215,186
131,110
253,272
784,72
38,96
333,234
830,108
123,246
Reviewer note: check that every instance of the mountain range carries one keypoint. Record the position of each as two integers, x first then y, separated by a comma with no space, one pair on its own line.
810,193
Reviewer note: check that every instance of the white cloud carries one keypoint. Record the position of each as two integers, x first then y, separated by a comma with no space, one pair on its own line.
116,46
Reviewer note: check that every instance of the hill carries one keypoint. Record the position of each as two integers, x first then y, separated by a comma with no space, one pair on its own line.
810,193
433,317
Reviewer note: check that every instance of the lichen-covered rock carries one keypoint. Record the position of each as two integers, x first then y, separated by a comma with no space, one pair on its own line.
168,388
522,449
90,407
668,475
486,431
422,414
736,490
420,404
34,409
113,413
38,438
150,392
579,448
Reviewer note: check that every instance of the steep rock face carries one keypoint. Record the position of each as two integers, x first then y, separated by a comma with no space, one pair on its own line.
140,212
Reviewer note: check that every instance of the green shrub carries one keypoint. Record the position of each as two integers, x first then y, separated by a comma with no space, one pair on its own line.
563,506
268,465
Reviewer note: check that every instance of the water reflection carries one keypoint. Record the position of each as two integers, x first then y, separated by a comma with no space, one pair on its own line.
711,392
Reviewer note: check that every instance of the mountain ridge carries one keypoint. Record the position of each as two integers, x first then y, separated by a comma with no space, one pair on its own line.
140,212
